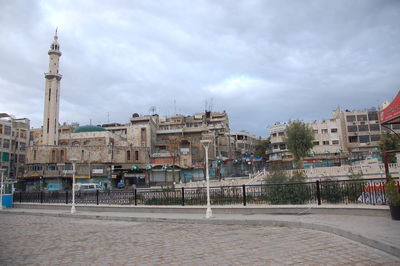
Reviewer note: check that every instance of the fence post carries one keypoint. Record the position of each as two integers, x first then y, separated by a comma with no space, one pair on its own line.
41,196
20,197
318,193
135,192
244,195
66,197
97,196
183,196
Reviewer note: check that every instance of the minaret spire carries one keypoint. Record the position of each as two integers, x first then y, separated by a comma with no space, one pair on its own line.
52,95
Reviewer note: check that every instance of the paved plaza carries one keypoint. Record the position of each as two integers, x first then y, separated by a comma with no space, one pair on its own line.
46,240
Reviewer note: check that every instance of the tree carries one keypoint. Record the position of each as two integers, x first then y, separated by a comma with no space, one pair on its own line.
388,142
299,140
261,148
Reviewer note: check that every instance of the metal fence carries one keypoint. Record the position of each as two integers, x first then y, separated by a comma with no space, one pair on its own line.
366,191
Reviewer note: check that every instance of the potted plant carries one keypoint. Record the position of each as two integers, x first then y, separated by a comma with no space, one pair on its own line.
393,198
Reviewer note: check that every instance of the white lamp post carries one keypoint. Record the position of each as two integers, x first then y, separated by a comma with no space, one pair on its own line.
206,143
73,210
1,190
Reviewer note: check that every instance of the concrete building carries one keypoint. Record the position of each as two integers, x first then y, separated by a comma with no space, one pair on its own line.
347,136
14,139
362,132
243,143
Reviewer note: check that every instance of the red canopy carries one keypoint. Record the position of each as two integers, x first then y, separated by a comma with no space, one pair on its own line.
391,114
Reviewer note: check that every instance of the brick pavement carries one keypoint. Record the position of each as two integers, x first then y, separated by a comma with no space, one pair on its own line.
46,240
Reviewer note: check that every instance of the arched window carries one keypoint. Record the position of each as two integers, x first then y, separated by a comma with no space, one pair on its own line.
75,143
62,155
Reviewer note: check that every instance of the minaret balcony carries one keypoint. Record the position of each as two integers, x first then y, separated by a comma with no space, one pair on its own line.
52,75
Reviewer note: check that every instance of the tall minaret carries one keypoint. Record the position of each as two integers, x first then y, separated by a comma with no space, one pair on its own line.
52,96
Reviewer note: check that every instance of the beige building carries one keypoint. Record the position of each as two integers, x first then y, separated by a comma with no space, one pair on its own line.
347,136
14,139
243,143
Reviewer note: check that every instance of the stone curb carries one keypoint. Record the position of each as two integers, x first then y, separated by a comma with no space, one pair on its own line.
393,250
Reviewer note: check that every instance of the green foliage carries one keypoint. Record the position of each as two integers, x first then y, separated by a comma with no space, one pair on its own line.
332,192
288,193
261,148
388,142
298,176
392,193
276,175
299,139
282,190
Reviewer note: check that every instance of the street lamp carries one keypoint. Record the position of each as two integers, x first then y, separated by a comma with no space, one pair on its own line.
73,160
2,170
206,144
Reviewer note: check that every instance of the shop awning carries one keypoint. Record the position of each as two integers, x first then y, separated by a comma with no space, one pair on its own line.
134,167
391,114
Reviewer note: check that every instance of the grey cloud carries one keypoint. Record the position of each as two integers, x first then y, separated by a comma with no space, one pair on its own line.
293,59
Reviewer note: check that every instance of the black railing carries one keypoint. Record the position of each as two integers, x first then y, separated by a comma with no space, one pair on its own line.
366,191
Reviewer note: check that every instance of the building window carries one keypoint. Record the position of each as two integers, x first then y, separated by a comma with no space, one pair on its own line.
375,138
137,155
353,139
143,135
315,131
53,155
62,155
324,131
315,143
75,143
82,155
350,118
22,146
21,158
325,142
362,118
128,155
363,128
335,142
352,128
49,94
6,143
34,155
333,130
1,129
372,116
7,130
282,146
374,127
281,134
364,139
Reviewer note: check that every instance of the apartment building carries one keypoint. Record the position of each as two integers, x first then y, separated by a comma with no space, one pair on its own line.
243,143
347,136
14,139
363,132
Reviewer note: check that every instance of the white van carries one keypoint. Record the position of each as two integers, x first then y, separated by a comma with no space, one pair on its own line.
89,187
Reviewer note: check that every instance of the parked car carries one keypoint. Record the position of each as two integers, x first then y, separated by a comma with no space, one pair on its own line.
89,187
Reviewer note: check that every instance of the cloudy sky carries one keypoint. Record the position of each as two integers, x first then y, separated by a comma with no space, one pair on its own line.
261,61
